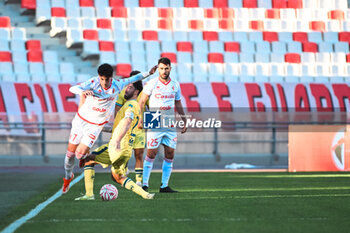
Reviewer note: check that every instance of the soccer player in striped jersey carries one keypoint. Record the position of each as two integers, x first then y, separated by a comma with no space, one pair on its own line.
100,95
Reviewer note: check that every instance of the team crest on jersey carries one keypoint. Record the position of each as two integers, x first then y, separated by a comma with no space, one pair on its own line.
113,90
173,88
157,87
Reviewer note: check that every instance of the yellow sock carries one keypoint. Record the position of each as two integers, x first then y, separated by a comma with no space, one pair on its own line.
89,177
138,175
130,185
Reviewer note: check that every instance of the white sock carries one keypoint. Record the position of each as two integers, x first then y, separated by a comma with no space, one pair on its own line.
167,169
69,161
147,168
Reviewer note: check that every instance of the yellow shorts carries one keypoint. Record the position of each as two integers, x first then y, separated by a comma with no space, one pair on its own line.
140,140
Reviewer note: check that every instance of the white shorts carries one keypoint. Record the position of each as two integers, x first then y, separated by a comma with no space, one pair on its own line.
167,138
84,132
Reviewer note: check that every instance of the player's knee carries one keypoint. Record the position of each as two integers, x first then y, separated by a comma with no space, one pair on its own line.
116,178
70,154
80,155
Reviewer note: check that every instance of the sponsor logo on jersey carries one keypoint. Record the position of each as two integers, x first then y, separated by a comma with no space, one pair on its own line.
99,109
160,96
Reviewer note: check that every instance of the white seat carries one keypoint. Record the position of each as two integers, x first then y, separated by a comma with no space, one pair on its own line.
200,46
168,46
322,70
36,68
19,56
161,3
272,25
52,68
74,23
180,24
285,36
231,57
240,36
310,4
338,70
225,36
304,14
38,78
88,23
263,47
180,36
247,69
16,45
325,47
123,57
20,68
88,12
216,47
184,57
5,34
277,69
255,36
339,58
292,69
288,25
152,47
315,37
341,47
262,69
50,56
333,26
137,46
103,13
300,25
90,47
199,57
105,35
211,24
341,4
195,13
19,34
165,35
134,12
4,45
42,13
323,57
307,57
330,37
294,47
122,46
74,36
6,68
150,12
287,14
246,57
242,13
58,25
66,68
326,4
262,57
131,3
181,13
265,4
241,25
257,13
247,47
108,57
119,23
120,35
195,35
134,35
321,14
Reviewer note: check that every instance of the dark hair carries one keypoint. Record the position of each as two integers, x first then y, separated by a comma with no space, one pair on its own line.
164,60
134,72
138,86
105,70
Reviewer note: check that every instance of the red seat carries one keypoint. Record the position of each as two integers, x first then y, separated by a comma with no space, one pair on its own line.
165,24
279,3
86,3
300,36
28,4
250,3
5,22
226,13
5,56
33,45
344,36
336,14
116,3
90,34
257,25
165,12
123,70
226,24
270,36
191,3
232,47
317,26
119,12
292,58
272,13
58,12
146,3
35,56
348,58
150,35
209,36
106,45
104,23
220,3
211,13
184,46
216,57
171,56
310,47
295,4
195,24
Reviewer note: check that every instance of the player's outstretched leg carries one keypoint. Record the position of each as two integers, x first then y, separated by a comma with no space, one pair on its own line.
147,169
89,177
68,168
167,169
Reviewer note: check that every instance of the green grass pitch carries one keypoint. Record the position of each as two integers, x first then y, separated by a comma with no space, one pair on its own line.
207,202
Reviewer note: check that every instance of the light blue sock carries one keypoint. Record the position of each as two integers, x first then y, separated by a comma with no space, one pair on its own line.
147,168
167,169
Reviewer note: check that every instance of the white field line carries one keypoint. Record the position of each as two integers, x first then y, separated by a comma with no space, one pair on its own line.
31,214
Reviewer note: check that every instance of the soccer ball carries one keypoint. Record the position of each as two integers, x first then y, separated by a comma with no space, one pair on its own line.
108,192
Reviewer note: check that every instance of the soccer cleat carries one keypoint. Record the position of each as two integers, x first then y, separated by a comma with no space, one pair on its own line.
139,183
149,196
85,198
145,188
65,186
167,189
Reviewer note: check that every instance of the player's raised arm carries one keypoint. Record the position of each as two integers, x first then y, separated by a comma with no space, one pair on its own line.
140,76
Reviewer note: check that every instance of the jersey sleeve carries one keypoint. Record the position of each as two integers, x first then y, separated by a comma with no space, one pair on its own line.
148,88
120,100
126,81
78,89
178,92
130,112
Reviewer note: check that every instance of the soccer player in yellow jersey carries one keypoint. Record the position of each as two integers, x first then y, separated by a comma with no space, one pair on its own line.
119,148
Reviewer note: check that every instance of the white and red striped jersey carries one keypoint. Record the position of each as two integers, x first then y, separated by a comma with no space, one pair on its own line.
97,109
